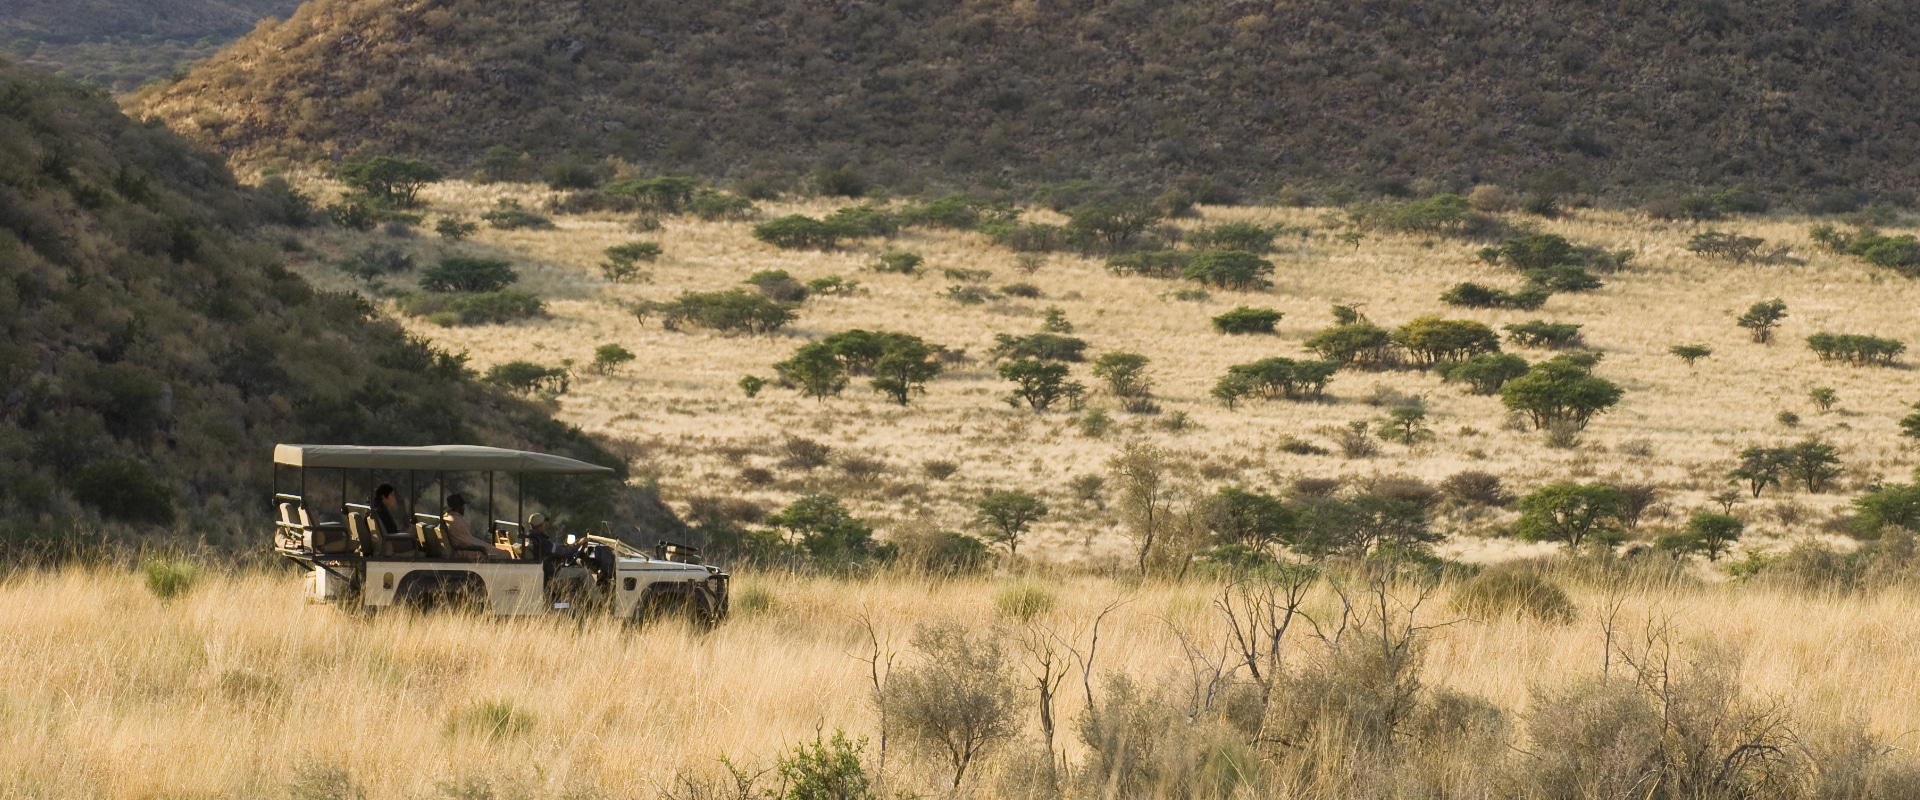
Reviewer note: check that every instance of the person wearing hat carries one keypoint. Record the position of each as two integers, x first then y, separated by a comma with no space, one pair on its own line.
539,542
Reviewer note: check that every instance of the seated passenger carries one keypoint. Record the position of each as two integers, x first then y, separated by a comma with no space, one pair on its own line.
539,543
383,503
461,537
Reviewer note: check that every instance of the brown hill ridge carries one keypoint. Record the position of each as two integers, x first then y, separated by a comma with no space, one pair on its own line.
1770,94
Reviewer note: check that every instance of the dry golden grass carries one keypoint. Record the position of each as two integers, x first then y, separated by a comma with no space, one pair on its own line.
1676,427
232,689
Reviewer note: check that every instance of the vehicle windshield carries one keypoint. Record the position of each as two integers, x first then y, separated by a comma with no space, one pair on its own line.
620,548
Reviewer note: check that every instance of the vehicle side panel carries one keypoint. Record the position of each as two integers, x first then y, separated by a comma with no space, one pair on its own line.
512,588
633,582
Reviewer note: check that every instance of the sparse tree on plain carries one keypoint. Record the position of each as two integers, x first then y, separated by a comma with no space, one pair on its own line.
1008,515
814,370
1560,391
1125,374
1762,318
609,357
1690,352
1039,384
1571,513
1144,474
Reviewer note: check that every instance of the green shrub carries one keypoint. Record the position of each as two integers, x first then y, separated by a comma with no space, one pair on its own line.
1729,246
1355,344
622,262
902,263
716,206
1022,600
527,377
1540,333
1008,515
1484,373
356,213
474,309
507,215
1895,505
1150,263
665,194
841,182
168,578
372,262
1564,278
1855,349
1043,346
1473,295
122,490
1029,237
826,769
731,310
609,357
1503,592
454,229
572,173
1109,225
777,285
1237,270
501,163
467,274
1690,352
1560,390
751,385
1761,318
1741,201
863,221
815,370
391,180
1274,378
1441,214
959,212
1246,236
797,232
1125,374
1432,340
1247,320
1039,384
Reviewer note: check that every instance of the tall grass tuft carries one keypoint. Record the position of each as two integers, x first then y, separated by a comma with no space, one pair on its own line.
490,720
1513,592
1022,600
170,577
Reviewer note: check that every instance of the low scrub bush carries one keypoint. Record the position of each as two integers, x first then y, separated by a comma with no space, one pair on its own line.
507,215
1150,263
1855,349
1358,343
1474,295
1274,378
168,578
730,310
1243,320
1043,346
1432,340
473,309
1540,333
778,286
467,274
527,377
1725,246
1503,592
1236,270
798,232
1484,374
716,206
1027,237
1246,236
1473,487
902,263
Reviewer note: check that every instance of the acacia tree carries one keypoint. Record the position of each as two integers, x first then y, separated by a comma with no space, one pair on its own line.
814,370
1007,515
1762,317
1713,534
1571,513
1144,474
1759,468
1812,463
393,180
1125,374
904,367
1560,390
1038,383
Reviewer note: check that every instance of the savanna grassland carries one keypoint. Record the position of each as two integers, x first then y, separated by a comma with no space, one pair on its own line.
1677,427
233,688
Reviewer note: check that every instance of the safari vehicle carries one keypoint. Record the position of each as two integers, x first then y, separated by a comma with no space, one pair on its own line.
357,568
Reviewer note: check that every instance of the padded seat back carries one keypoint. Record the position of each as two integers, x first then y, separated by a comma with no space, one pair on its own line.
362,534
433,539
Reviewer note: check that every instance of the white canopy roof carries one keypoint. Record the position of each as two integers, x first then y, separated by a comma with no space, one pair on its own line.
437,458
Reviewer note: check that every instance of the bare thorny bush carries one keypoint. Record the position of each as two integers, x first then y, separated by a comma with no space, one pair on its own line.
1311,687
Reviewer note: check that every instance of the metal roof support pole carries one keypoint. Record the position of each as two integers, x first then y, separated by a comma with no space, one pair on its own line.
491,516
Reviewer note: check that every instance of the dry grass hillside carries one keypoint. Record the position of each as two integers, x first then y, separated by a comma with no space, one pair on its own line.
1783,96
121,44
1677,428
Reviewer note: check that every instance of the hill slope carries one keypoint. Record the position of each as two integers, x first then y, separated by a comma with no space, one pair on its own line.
124,43
1647,92
153,350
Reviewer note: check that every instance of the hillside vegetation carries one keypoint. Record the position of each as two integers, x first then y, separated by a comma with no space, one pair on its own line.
124,43
1646,93
154,346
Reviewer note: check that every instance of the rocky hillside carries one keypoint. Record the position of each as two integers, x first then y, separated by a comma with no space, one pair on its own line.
1770,94
153,347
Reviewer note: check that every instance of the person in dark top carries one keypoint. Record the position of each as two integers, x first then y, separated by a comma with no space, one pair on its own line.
383,503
